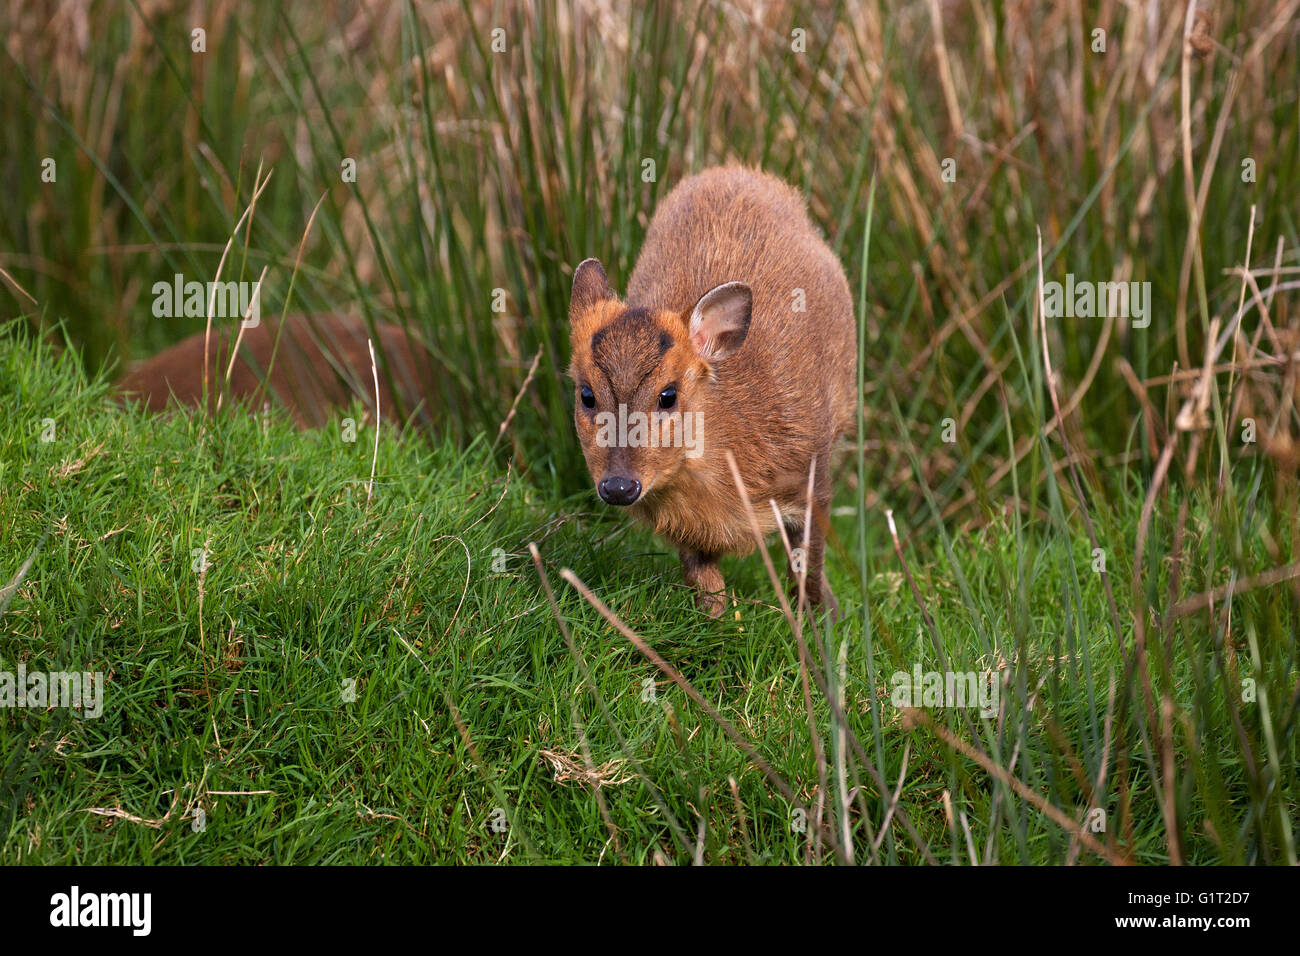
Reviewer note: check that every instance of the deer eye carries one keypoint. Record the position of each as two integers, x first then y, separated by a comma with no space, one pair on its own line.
588,397
668,397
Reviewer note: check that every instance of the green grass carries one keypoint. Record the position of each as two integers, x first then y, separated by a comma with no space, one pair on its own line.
226,684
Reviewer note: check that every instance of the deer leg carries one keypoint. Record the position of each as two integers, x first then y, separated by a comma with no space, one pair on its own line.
702,573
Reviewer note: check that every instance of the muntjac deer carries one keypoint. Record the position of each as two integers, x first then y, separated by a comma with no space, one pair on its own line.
322,364
736,335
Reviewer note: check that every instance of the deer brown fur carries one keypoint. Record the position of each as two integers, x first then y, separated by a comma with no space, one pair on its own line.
711,325
322,364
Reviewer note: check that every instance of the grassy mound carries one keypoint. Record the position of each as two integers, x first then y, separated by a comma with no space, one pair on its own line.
299,671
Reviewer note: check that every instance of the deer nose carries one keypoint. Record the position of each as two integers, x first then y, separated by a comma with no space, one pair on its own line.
616,490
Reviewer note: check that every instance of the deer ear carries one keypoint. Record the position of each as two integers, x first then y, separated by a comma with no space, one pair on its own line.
720,321
590,286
